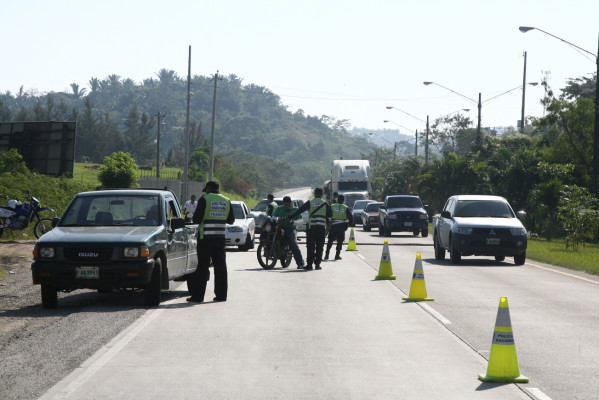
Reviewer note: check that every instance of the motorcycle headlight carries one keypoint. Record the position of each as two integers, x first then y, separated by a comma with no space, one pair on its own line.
518,231
235,229
464,231
268,228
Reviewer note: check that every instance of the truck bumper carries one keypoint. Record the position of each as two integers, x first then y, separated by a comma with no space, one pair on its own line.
474,245
406,226
114,275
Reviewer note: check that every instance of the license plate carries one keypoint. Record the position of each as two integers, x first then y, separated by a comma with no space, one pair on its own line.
493,241
407,224
87,273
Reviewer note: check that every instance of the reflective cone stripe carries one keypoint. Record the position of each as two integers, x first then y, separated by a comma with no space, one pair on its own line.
418,287
503,360
351,245
385,270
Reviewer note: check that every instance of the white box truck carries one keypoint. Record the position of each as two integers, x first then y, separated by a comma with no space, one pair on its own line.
350,178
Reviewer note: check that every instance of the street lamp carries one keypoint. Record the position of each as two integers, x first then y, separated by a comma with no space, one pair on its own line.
415,132
479,103
595,171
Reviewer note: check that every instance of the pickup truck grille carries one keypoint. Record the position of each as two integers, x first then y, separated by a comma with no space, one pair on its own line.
499,232
402,216
88,253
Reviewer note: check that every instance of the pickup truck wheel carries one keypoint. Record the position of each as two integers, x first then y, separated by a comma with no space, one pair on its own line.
366,227
381,229
387,231
49,296
454,255
153,290
439,251
499,258
248,243
520,259
416,233
424,232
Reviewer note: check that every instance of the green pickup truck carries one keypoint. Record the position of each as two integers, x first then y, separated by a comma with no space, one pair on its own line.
116,239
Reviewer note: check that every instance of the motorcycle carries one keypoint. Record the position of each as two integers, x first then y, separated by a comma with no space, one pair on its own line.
273,245
16,216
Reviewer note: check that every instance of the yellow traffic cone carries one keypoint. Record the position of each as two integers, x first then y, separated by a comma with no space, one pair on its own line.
385,270
503,360
418,287
351,245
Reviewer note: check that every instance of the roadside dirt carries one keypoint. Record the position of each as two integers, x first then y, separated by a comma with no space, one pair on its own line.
20,302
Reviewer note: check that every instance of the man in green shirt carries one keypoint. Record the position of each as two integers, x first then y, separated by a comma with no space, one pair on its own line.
289,229
272,204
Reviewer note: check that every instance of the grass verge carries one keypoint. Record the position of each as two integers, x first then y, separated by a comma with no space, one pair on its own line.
555,253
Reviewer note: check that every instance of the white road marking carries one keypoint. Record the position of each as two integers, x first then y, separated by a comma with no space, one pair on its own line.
435,314
537,394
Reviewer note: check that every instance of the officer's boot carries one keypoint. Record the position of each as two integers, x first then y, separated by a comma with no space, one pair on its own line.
337,256
326,255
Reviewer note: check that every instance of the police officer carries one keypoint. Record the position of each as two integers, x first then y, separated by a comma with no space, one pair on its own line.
212,214
272,205
319,214
341,219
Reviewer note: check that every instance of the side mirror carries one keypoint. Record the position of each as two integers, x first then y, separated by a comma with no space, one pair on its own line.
521,215
177,223
445,214
55,222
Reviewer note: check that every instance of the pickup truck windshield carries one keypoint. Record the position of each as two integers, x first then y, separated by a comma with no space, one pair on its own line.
136,210
353,186
404,202
483,208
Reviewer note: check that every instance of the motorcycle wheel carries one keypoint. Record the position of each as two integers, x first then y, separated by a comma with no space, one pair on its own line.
287,257
42,226
266,256
2,222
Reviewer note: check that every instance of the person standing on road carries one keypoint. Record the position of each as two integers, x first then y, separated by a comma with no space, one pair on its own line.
272,205
289,228
341,219
190,207
319,214
212,214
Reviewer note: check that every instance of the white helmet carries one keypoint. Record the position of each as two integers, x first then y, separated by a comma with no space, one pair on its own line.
14,203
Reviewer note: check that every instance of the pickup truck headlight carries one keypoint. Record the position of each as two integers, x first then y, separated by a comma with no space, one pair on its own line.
235,229
44,252
393,216
136,252
464,231
518,231
423,216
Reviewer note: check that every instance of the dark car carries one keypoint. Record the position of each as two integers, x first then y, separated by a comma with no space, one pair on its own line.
370,215
356,211
403,213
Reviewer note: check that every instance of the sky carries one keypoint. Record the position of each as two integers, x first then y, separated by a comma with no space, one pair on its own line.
346,59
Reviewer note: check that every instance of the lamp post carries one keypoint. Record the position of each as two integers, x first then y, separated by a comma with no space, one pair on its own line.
479,103
595,165
160,116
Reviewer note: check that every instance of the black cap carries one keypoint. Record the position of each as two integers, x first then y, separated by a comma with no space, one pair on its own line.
341,199
318,191
211,184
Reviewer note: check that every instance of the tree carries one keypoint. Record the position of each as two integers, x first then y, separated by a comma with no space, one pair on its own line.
118,171
11,161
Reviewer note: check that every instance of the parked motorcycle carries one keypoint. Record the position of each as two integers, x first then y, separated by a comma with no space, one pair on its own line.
273,245
16,216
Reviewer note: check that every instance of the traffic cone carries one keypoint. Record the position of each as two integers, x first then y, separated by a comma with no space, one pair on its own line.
351,245
385,270
503,360
418,287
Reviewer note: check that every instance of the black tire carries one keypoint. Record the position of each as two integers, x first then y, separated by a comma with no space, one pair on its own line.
454,255
381,229
520,259
42,226
286,259
387,231
49,296
2,222
439,251
153,290
499,258
366,228
424,232
265,256
248,243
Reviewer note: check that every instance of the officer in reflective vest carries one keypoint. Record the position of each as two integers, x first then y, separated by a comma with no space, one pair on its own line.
319,214
212,214
272,205
342,218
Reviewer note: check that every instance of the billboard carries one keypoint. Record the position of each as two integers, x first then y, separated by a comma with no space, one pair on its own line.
46,146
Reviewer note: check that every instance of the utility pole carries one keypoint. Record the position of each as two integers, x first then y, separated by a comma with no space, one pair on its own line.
186,165
416,144
523,96
160,116
426,143
211,173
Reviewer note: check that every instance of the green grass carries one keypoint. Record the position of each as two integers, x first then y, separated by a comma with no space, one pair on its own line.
555,253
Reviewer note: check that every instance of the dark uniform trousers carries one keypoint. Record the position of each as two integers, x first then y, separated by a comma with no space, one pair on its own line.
315,238
211,250
337,233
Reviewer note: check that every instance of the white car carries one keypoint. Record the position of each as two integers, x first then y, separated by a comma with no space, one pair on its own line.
242,232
